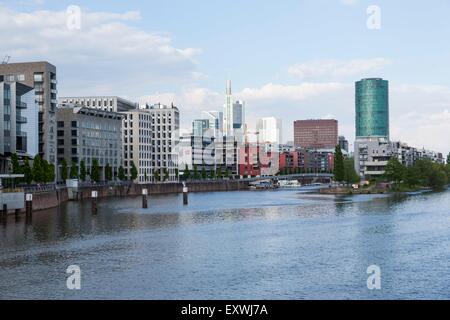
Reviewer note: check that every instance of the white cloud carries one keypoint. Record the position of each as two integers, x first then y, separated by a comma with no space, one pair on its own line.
290,92
108,55
349,2
333,68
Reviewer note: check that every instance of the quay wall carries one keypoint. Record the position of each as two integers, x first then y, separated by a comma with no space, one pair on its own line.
51,199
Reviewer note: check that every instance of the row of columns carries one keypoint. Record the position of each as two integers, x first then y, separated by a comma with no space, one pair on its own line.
94,197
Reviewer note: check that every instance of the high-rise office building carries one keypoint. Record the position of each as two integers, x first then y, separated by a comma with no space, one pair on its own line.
106,103
200,127
372,108
228,111
269,130
215,119
19,125
316,134
233,115
343,143
372,147
42,77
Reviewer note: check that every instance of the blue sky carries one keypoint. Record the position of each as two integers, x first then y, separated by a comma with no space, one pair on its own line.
294,59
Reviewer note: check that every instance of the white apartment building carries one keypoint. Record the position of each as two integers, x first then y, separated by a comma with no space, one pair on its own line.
165,126
372,155
137,144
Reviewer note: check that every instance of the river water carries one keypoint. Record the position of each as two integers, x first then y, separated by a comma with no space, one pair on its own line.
281,244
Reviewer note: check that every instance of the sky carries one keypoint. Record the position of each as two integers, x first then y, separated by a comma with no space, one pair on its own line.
290,59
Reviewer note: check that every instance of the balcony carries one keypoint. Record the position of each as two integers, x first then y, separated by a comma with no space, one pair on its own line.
20,119
21,134
21,105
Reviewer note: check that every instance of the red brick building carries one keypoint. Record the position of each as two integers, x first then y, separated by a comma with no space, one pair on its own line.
316,134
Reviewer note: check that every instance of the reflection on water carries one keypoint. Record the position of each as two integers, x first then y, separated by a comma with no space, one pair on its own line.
233,245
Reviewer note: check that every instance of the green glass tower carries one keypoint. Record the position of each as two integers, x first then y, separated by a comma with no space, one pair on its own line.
372,108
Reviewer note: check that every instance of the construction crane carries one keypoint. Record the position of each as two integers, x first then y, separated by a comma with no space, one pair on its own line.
6,59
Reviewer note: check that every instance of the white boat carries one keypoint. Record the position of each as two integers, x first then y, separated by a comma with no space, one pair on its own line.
289,184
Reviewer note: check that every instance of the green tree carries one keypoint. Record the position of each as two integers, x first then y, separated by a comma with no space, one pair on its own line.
339,170
95,170
82,170
413,176
37,170
394,171
196,175
166,174
108,172
157,175
27,171
350,175
177,173
73,170
448,159
212,174
438,177
219,173
49,172
133,171
227,173
186,173
15,165
145,176
121,174
204,174
64,170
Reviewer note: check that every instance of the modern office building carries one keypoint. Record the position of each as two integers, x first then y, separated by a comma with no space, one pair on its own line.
233,115
137,144
42,77
200,127
372,108
215,119
19,127
319,134
106,103
87,134
343,143
270,130
165,138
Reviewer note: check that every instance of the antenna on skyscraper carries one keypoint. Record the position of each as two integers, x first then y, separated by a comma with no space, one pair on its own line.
6,59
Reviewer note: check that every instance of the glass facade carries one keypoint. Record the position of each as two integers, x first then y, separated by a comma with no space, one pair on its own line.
372,108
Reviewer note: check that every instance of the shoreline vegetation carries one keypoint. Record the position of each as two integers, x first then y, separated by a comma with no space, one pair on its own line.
424,175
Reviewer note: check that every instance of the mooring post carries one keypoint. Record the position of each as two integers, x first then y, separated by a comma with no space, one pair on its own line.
5,209
29,204
185,194
144,198
94,195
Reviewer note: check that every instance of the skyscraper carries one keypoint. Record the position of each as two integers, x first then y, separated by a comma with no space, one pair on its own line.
233,115
228,111
215,122
199,127
372,108
269,130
